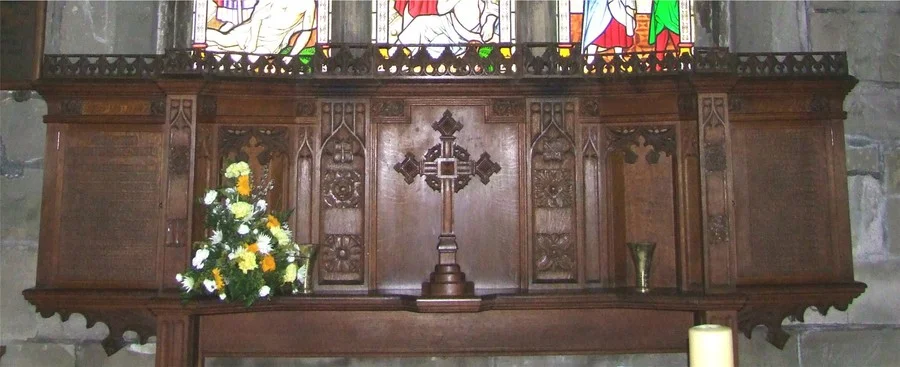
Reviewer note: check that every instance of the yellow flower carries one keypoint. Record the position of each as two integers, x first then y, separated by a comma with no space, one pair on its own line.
273,222
268,263
243,185
252,247
241,209
290,273
217,274
237,169
247,261
280,235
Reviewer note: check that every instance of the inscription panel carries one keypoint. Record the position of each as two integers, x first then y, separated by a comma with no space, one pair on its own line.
110,213
782,207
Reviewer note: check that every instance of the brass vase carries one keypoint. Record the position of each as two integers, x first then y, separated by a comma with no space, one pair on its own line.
307,263
642,257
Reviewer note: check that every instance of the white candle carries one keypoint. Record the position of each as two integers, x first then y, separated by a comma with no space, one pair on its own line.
711,346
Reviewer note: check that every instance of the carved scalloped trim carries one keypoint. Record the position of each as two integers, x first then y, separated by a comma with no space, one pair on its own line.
772,315
117,321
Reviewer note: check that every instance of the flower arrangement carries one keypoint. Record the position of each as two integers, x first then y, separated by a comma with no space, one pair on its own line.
250,254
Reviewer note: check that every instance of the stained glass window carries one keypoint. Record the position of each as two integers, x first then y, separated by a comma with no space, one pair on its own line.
617,26
443,22
286,27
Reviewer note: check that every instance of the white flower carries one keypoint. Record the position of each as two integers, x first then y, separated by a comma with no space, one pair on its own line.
200,257
186,282
263,241
222,296
261,205
216,237
264,248
243,229
232,255
291,259
210,197
210,285
264,291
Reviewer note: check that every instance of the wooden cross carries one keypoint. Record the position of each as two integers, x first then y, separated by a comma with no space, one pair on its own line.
447,169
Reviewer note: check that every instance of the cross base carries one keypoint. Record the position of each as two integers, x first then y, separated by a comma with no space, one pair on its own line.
447,281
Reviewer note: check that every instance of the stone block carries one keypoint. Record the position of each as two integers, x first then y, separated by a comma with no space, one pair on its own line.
859,30
873,110
639,360
893,226
757,352
623,360
23,130
866,217
91,354
878,7
872,51
812,317
75,328
130,358
839,348
36,354
101,27
863,160
880,304
18,263
351,362
892,171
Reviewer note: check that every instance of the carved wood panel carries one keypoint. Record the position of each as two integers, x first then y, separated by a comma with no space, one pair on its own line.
781,175
267,149
342,193
716,184
305,162
595,222
181,120
409,214
641,180
110,212
555,249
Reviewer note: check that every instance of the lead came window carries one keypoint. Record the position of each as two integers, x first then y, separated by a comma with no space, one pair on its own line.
286,27
443,22
620,26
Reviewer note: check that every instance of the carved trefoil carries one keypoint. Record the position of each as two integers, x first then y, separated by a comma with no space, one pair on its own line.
551,164
342,192
660,140
267,150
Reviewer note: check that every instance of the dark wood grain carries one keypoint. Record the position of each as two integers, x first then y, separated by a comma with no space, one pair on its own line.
739,180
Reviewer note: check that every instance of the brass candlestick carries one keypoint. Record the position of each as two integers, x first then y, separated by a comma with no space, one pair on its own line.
642,257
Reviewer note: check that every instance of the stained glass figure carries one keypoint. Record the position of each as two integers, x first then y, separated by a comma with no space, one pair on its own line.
286,27
617,26
443,22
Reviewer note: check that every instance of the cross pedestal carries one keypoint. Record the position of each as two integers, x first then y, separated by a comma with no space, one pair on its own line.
447,169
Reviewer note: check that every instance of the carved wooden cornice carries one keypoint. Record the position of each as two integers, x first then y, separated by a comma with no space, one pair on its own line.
367,61
121,311
769,306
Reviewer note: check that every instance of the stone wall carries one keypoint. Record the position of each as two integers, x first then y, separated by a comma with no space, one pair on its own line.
866,335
